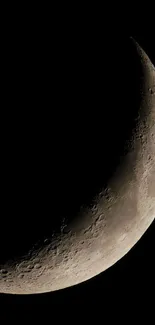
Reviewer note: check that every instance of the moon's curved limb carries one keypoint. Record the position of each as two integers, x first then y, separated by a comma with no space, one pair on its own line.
111,227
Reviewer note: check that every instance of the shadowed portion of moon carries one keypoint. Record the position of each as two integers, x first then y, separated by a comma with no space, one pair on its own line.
57,158
78,144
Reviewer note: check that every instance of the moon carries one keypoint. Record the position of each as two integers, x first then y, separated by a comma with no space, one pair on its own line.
110,226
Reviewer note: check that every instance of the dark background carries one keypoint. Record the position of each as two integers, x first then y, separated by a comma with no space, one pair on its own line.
37,60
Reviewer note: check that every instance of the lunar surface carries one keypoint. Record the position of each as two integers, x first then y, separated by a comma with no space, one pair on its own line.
110,226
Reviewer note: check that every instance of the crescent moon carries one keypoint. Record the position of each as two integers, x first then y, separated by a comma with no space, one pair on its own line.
120,215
